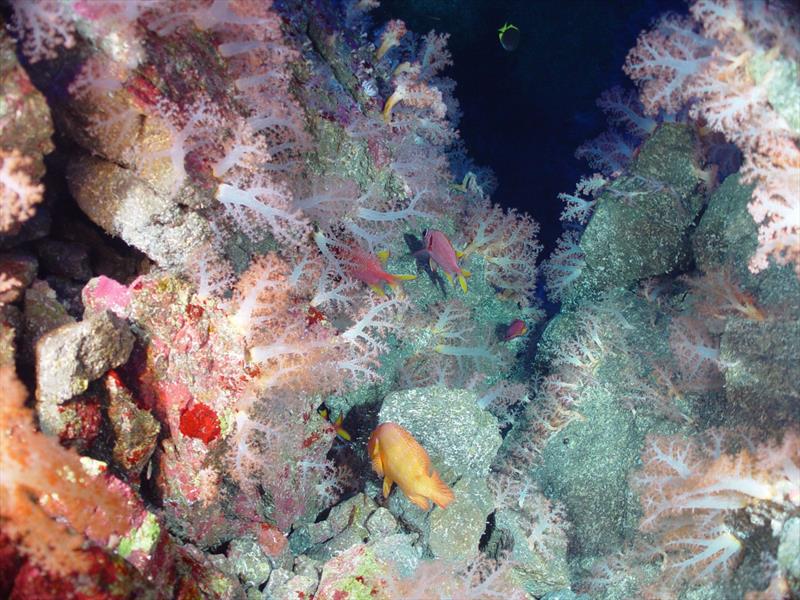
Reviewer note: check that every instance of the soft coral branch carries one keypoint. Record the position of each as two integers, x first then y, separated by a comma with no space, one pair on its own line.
19,195
664,62
507,242
688,486
44,26
49,502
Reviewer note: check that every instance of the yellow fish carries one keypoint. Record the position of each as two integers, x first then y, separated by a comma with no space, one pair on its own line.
337,425
399,458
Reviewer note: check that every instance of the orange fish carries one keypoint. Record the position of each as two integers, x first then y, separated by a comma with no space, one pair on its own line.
400,459
368,268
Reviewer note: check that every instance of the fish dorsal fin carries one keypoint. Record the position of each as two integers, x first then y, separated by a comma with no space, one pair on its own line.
383,256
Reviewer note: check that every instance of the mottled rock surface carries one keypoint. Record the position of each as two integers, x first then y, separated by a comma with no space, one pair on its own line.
585,466
248,561
24,113
762,367
727,237
540,561
460,437
135,429
381,523
789,553
456,531
70,357
641,223
65,259
127,207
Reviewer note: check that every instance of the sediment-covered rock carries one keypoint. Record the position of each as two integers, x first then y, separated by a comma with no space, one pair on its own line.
72,356
126,206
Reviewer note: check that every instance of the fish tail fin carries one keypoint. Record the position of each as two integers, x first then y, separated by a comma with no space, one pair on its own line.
440,493
395,286
387,108
340,431
462,280
378,290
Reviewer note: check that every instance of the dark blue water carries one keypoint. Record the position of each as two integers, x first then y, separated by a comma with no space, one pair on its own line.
526,111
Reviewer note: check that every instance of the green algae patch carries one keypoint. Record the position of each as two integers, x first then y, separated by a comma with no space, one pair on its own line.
355,574
142,539
782,79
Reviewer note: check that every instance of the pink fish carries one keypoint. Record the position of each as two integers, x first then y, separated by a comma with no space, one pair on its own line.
440,251
368,268
517,329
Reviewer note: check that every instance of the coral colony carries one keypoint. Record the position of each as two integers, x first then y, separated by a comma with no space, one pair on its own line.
240,240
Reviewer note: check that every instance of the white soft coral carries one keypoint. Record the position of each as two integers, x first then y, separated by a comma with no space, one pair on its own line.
689,487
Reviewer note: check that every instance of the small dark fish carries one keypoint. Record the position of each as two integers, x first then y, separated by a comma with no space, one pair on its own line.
509,36
337,424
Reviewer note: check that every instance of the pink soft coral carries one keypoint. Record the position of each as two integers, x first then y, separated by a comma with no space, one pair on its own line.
666,60
723,67
44,26
19,195
506,240
687,488
49,501
565,265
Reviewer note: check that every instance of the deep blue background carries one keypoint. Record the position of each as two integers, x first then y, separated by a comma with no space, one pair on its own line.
526,111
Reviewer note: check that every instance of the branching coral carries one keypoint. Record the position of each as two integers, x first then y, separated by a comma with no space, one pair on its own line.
446,347
719,296
738,76
393,32
578,206
565,264
696,353
45,25
19,195
506,240
51,502
690,488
